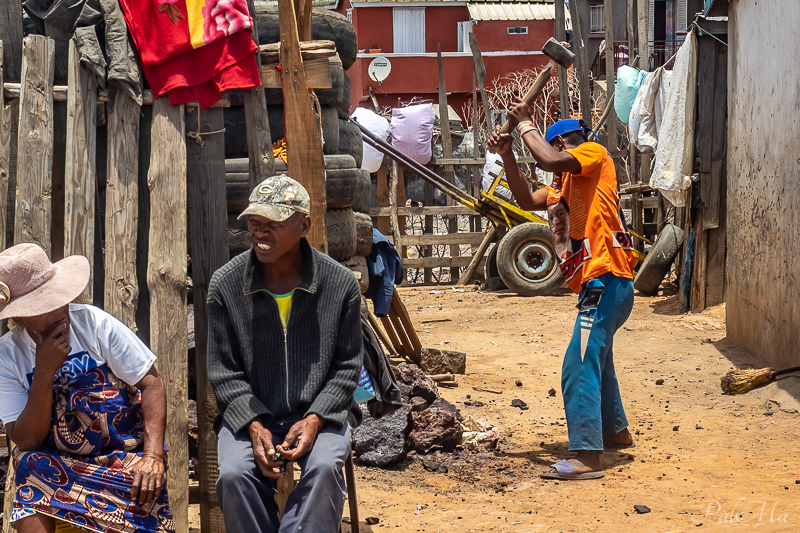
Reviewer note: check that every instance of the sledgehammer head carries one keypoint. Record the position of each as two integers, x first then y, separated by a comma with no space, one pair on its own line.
558,53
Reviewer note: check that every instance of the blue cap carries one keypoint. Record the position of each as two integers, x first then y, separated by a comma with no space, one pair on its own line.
565,126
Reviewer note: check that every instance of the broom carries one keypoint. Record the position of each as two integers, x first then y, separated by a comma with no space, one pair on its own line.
743,381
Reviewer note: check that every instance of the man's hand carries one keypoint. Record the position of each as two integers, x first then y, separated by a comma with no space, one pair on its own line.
52,349
519,112
148,478
264,450
500,142
304,433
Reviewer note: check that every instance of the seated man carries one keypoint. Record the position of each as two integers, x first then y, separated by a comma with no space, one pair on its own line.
284,356
89,450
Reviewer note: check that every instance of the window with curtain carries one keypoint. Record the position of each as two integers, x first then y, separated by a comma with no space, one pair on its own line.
597,21
409,30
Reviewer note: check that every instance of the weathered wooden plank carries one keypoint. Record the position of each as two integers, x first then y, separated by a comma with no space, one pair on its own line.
121,289
610,75
643,15
35,144
259,140
447,149
451,239
208,230
5,157
318,75
399,309
712,190
304,144
581,63
11,91
80,165
11,38
426,210
166,281
382,222
479,70
11,35
699,275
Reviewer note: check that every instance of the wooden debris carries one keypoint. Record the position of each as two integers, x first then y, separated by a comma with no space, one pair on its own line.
482,389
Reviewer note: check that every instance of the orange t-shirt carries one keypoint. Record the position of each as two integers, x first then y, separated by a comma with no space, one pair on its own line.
583,209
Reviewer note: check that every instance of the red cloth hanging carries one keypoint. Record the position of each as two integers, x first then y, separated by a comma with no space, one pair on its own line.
193,49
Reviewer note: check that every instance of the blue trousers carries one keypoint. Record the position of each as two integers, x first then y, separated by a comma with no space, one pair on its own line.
247,498
588,381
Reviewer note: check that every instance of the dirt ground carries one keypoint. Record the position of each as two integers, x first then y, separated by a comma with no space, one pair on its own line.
703,461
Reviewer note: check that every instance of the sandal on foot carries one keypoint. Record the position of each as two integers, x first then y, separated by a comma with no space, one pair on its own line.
608,445
565,470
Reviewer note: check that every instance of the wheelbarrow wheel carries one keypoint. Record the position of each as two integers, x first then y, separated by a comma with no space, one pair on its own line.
527,262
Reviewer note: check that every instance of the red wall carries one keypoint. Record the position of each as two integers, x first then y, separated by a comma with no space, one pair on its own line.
441,26
493,35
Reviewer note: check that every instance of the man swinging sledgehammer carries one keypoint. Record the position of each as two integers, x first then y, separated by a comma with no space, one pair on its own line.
596,259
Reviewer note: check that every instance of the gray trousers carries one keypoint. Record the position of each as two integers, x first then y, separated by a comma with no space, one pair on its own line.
247,498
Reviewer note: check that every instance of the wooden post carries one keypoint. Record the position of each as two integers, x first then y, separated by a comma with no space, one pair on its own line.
480,74
447,149
10,70
611,75
5,156
259,139
304,145
35,144
476,258
166,281
560,34
208,221
644,63
476,153
581,64
122,210
398,228
303,8
80,166
633,167
384,224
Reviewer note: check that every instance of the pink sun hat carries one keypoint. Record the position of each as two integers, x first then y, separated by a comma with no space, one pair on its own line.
30,285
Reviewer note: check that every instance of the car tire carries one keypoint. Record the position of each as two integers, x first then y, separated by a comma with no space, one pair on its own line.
350,141
363,233
527,262
342,239
659,260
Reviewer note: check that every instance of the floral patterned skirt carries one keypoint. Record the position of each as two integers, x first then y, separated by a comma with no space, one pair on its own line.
81,475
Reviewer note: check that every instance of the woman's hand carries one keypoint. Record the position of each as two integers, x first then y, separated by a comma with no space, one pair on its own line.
519,112
501,143
148,478
52,349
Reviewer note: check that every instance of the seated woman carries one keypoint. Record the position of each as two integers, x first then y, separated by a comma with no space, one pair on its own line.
89,446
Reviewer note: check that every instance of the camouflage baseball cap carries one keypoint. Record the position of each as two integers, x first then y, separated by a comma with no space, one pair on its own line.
277,198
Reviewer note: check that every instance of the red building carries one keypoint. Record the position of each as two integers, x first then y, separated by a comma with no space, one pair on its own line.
510,35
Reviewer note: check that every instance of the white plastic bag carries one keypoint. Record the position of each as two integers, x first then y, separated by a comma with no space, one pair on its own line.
491,169
378,126
412,131
673,164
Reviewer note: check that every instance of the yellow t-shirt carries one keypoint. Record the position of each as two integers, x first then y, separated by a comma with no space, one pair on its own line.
284,302
598,242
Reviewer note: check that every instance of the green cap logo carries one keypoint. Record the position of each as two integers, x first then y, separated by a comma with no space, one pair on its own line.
277,198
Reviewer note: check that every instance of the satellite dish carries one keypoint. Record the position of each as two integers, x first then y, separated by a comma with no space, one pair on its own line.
379,69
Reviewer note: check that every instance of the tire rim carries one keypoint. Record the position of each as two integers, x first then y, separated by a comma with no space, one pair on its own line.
534,260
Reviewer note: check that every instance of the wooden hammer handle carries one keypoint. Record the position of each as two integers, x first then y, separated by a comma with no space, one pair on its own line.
534,92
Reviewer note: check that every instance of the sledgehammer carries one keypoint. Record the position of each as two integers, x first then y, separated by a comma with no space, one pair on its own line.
558,54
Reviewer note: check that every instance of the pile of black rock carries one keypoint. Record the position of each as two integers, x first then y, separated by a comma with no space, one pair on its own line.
426,422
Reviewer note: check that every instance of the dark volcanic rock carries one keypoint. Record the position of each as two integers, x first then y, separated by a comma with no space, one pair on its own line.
441,403
434,427
380,442
421,385
418,404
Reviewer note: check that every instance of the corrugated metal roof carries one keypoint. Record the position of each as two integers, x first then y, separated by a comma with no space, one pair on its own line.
511,11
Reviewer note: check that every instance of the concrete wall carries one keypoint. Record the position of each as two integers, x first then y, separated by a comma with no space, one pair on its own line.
763,278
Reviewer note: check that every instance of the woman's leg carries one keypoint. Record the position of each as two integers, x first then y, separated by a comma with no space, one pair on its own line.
37,523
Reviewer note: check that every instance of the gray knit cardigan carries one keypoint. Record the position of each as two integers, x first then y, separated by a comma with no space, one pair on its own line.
258,369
